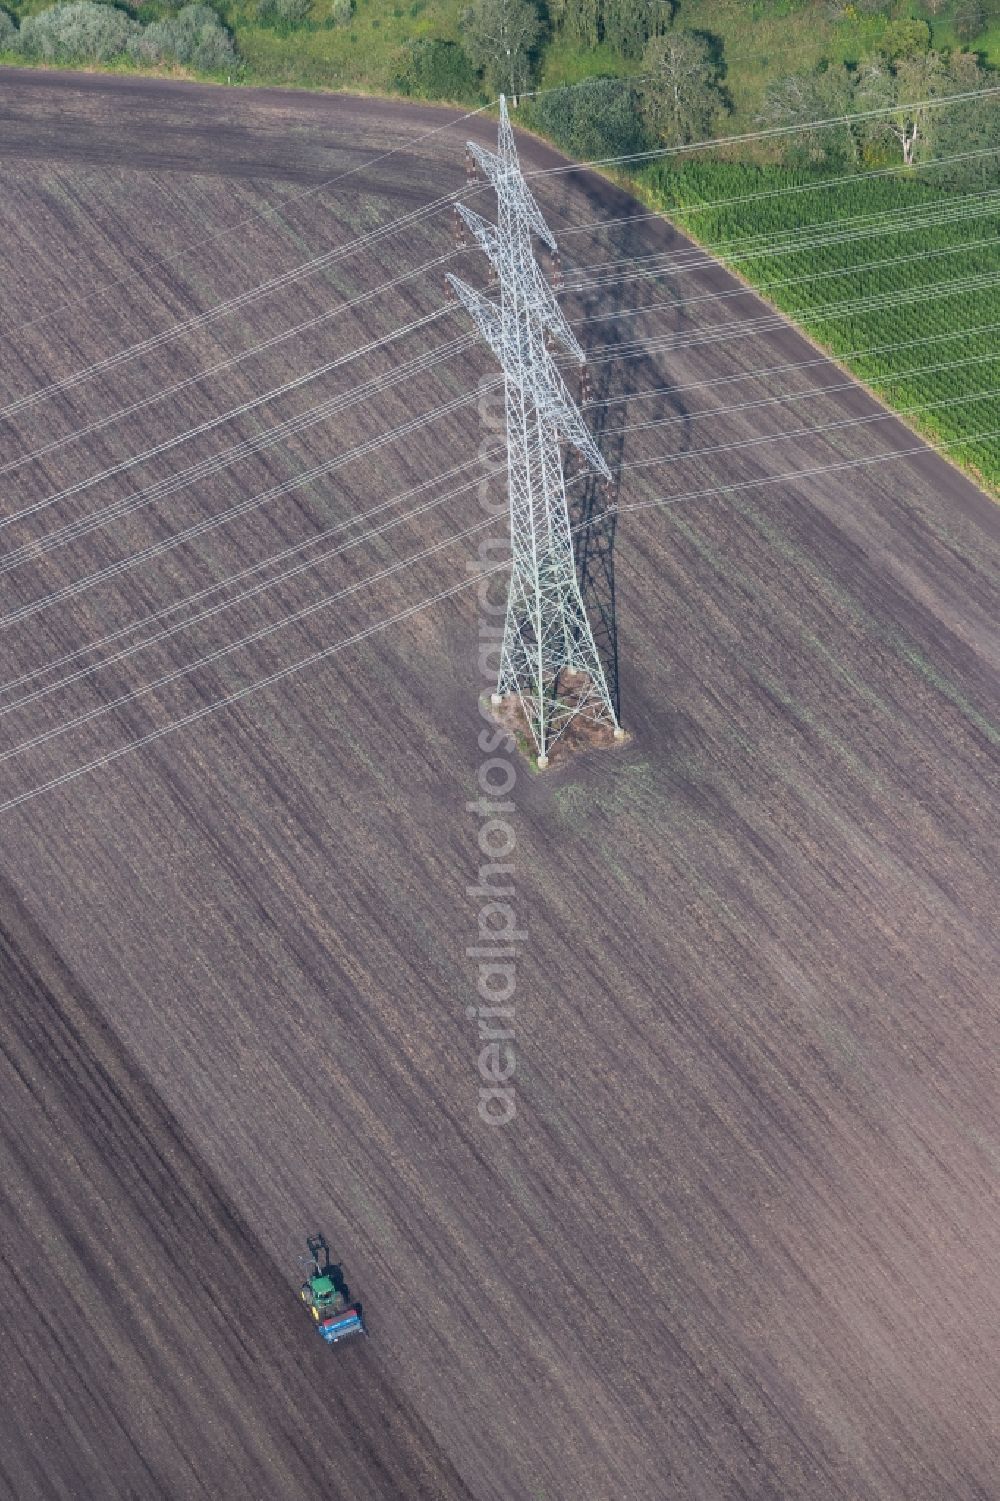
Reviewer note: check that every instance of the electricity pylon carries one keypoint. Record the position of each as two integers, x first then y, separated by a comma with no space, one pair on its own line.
548,656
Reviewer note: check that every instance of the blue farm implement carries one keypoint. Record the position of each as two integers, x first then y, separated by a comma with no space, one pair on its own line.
326,1296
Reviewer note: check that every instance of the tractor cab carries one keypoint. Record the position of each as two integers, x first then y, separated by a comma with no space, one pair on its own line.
323,1294
326,1294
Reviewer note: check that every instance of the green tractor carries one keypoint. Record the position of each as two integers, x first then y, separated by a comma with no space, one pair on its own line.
326,1296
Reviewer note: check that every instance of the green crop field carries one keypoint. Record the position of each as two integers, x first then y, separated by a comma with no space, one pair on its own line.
870,263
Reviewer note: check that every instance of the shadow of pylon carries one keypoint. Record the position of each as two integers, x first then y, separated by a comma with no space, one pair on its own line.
593,517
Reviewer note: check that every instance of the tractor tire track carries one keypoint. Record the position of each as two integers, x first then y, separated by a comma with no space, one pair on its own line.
108,1213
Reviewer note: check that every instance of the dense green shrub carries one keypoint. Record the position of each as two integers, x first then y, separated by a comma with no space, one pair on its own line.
592,121
193,38
801,100
581,21
81,31
965,129
905,38
625,25
76,32
283,15
438,70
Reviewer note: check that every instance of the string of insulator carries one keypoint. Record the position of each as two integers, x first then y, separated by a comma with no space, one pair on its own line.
458,229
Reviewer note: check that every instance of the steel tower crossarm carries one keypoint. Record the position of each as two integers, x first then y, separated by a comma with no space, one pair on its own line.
541,296
500,166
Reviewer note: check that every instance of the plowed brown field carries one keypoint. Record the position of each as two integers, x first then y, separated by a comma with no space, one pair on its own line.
742,1238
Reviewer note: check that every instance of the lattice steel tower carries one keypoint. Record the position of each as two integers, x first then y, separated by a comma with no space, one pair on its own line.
548,656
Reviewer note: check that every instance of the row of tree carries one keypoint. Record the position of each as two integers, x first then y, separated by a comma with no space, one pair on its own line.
887,103
680,94
500,37
677,98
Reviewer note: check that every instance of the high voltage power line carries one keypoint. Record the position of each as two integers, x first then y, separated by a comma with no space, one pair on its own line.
324,653
241,411
436,501
199,320
823,359
563,641
269,210
790,397
215,422
706,205
171,484
767,133
362,242
761,289
244,449
306,611
792,241
200,528
705,262
262,213
910,217
825,312
31,551
326,316
669,343
668,262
